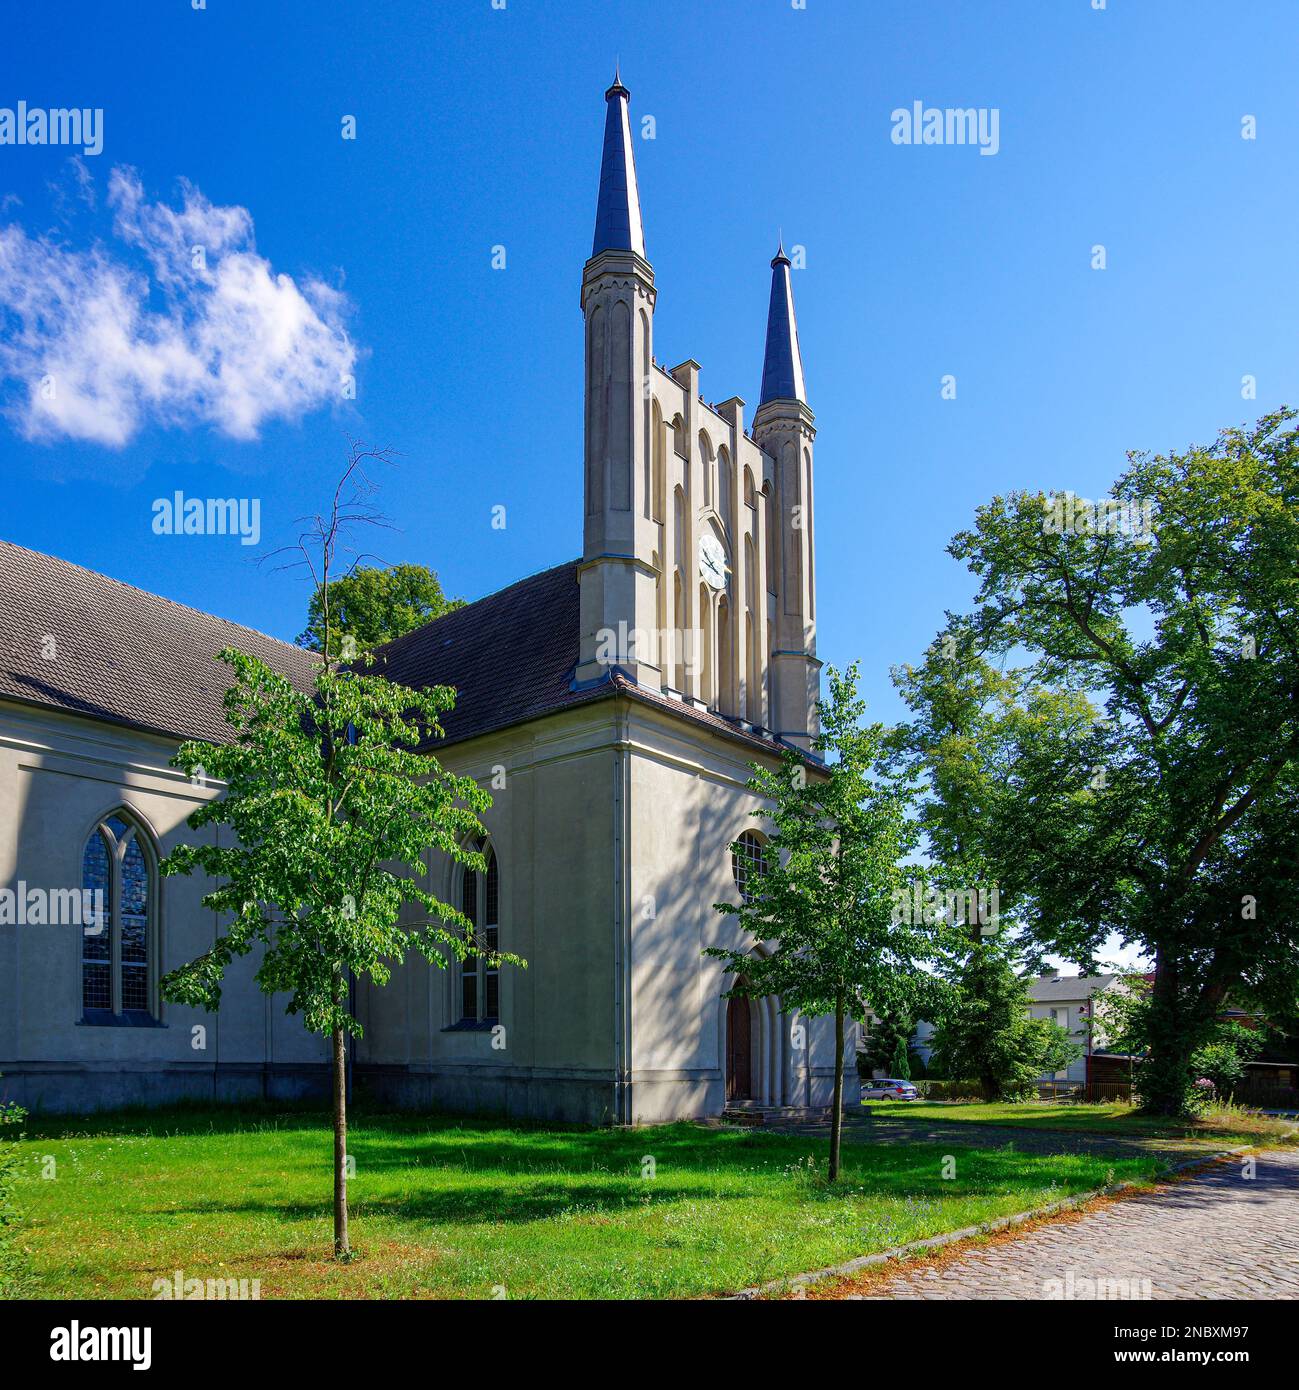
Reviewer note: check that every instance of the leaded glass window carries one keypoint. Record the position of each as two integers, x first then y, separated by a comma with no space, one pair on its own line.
748,862
117,952
480,983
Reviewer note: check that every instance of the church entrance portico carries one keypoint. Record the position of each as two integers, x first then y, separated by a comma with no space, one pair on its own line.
755,1059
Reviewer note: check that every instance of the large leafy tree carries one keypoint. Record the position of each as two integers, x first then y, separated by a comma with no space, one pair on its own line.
1124,1016
372,605
823,908
986,1034
334,807
1144,766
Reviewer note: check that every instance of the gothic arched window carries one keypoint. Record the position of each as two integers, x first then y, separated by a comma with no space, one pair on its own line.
480,981
119,951
748,862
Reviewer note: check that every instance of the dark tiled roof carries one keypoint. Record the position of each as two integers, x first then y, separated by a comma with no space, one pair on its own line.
1047,988
510,656
120,654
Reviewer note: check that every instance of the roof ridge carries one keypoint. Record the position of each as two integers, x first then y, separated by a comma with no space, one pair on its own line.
161,598
473,603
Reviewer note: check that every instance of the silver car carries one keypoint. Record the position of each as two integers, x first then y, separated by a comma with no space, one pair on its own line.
888,1088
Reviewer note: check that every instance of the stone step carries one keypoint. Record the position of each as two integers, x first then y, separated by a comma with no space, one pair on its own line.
751,1113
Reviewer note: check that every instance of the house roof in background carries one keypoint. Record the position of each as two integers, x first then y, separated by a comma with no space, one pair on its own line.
1048,988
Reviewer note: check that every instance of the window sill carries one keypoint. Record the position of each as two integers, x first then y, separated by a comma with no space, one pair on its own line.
132,1018
471,1025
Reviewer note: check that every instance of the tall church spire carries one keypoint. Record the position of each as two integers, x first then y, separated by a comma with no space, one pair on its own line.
784,428
619,570
782,366
617,213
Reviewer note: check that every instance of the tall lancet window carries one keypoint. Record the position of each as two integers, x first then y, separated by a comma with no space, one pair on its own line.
480,981
119,949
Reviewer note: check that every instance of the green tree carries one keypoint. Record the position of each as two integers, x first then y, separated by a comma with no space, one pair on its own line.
824,905
886,1046
334,805
987,1036
1125,1017
372,606
1144,754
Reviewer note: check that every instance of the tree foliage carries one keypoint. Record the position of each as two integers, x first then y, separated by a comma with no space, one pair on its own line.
1125,1017
331,803
373,605
886,1046
333,813
1135,773
987,1036
823,909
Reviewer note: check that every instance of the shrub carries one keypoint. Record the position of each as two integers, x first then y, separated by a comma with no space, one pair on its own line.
949,1090
13,1274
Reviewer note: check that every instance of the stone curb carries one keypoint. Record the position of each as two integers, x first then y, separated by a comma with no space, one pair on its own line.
1000,1223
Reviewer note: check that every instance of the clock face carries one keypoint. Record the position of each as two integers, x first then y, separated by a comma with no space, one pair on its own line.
712,561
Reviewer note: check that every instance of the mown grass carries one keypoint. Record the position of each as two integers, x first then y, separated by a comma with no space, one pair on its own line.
1225,1124
478,1209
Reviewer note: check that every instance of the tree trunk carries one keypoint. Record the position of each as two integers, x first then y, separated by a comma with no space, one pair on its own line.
1166,1073
836,1114
342,1250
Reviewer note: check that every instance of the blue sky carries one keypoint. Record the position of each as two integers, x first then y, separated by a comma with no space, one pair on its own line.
478,127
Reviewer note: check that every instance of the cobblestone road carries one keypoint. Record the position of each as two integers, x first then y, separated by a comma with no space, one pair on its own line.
1215,1235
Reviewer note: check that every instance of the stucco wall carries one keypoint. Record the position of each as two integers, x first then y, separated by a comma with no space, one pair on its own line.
612,829
59,776
551,827
688,803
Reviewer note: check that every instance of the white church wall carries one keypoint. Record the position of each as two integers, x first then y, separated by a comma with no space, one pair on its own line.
552,828
689,802
59,776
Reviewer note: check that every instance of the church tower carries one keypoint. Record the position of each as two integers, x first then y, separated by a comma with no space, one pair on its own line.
618,576
784,429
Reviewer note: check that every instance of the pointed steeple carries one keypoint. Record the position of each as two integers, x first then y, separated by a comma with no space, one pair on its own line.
782,366
617,213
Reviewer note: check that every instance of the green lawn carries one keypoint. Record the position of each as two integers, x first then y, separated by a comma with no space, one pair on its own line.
1220,1126
453,1208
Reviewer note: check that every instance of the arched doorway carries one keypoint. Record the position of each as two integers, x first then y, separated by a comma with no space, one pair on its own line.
739,1050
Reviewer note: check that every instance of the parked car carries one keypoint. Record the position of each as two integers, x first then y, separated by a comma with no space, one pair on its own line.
888,1088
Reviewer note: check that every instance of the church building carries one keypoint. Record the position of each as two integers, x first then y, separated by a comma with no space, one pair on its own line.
612,705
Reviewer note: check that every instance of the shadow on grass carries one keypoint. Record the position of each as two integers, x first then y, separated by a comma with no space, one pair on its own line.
501,1185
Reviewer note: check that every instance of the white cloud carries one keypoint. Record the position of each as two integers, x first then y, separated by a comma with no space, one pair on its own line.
96,343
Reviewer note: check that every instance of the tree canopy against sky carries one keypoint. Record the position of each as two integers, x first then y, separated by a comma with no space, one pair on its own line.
1121,727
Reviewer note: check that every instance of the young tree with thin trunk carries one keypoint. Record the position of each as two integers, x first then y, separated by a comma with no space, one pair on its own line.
335,805
823,907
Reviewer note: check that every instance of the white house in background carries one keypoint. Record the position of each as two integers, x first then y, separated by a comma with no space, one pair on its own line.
1068,1001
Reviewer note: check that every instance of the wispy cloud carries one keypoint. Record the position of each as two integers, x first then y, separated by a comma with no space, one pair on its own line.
174,319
